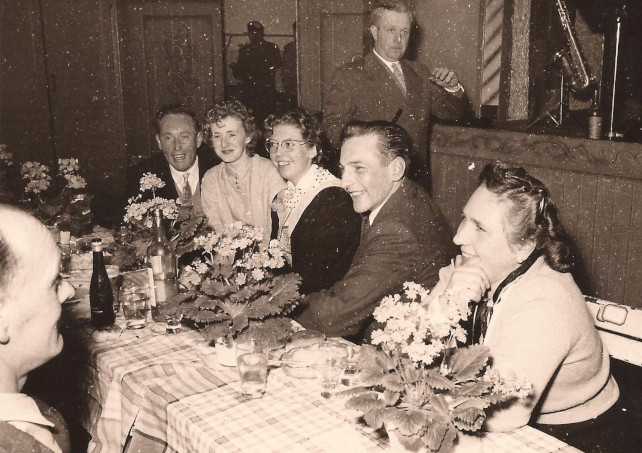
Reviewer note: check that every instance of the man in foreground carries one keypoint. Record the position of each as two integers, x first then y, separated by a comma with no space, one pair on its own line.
383,84
31,292
180,164
404,235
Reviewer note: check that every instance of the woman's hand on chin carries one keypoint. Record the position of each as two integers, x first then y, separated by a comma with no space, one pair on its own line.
467,281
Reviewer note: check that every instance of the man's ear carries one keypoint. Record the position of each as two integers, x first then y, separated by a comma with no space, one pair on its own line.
158,141
398,167
199,139
373,31
4,329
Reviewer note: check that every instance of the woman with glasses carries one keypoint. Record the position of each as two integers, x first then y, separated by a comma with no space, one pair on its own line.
317,225
242,187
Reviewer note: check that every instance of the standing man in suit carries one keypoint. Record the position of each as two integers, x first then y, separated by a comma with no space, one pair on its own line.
181,163
404,235
383,83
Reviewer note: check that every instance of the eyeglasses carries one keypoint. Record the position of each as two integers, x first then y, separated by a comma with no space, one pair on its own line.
286,145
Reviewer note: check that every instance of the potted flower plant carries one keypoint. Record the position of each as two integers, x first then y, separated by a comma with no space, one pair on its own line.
419,384
136,232
58,199
231,289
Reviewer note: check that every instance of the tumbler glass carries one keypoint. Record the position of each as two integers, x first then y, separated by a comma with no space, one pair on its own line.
252,361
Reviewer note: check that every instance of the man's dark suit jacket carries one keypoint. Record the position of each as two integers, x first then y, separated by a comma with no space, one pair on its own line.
157,164
366,90
409,240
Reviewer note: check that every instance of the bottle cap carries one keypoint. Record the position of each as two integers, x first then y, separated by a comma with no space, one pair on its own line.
97,245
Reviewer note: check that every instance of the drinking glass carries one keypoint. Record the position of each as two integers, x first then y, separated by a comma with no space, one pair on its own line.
350,375
173,324
329,368
113,272
251,361
134,303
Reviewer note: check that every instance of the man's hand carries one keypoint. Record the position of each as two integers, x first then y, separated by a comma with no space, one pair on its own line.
467,281
445,77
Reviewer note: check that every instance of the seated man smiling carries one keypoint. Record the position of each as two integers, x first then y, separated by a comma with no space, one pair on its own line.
31,292
404,236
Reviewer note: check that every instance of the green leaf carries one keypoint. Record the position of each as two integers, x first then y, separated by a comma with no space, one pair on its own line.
439,410
436,380
366,402
215,331
478,388
441,438
435,435
467,363
409,423
391,398
374,418
468,419
392,382
215,288
239,323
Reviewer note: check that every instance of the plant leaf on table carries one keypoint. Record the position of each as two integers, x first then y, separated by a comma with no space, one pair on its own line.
419,382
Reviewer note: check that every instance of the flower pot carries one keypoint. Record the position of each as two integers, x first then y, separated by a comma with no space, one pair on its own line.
226,352
464,443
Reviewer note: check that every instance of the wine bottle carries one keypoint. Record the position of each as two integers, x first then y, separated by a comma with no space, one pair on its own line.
161,265
101,297
595,118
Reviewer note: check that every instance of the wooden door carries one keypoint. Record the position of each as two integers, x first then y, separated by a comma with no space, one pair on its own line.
331,33
25,124
169,53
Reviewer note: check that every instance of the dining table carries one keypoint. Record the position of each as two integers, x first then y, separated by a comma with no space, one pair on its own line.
151,391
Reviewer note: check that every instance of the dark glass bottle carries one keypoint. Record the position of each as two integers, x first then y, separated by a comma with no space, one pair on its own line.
595,118
101,297
161,265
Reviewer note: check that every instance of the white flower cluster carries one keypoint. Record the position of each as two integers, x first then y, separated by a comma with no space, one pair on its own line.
150,181
139,211
68,168
241,243
420,325
6,158
36,175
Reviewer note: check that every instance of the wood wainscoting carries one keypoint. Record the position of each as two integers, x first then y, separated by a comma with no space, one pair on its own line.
596,185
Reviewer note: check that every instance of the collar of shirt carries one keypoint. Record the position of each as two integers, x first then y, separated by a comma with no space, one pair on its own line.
19,407
307,180
386,62
375,211
177,176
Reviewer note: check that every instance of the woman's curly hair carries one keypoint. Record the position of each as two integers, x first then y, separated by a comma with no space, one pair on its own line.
309,126
532,215
236,109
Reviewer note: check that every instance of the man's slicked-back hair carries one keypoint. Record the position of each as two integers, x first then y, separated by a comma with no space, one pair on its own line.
393,140
175,109
381,6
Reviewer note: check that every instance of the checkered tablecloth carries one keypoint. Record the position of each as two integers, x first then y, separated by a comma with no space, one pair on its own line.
170,394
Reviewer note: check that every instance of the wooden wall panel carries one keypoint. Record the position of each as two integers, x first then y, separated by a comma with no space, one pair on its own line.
24,106
597,187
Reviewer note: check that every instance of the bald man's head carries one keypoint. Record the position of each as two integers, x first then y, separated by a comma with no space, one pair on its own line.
23,241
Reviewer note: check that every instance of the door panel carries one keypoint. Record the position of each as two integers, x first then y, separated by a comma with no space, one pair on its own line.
330,34
170,53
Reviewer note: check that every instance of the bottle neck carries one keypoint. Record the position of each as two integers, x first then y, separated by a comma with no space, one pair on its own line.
159,230
99,259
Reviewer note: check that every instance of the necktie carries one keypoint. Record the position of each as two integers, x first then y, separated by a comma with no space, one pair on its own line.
186,198
396,71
